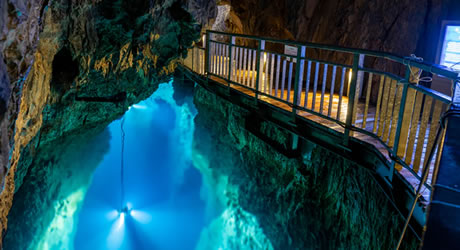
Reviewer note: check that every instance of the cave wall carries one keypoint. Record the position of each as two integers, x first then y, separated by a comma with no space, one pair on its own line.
20,25
402,27
93,59
45,210
317,200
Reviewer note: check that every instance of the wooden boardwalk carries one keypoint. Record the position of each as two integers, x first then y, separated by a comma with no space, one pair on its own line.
398,118
333,125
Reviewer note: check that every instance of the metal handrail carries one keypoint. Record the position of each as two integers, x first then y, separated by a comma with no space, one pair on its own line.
258,70
432,68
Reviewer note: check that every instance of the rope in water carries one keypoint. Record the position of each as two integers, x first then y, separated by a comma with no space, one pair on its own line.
122,165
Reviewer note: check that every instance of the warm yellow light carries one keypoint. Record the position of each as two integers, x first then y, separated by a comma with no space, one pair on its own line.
349,76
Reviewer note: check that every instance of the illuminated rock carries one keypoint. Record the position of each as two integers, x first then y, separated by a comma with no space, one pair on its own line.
92,61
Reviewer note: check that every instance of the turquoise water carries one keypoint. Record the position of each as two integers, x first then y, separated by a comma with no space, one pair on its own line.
162,188
71,195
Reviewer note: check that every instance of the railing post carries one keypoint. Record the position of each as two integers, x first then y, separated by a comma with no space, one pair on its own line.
207,54
193,54
358,62
230,58
402,108
259,61
298,77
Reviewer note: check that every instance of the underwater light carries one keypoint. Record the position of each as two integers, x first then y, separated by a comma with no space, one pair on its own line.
141,216
126,210
137,106
122,218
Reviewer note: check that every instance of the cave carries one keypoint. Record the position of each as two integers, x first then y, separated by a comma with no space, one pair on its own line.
65,71
195,124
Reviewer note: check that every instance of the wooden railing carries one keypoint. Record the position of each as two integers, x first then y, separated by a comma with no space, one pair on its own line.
374,96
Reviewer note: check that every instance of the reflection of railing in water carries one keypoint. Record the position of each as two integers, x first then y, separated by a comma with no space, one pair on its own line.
388,110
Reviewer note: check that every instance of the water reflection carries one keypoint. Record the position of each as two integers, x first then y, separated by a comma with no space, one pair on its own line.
177,185
161,185
45,207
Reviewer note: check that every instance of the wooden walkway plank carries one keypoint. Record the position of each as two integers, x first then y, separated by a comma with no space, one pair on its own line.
331,93
307,84
368,97
277,79
342,83
422,132
419,124
394,122
407,117
323,88
414,127
435,118
272,71
383,110
315,86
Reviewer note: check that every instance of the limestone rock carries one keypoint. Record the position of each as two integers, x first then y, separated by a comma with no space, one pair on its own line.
93,60
402,27
317,200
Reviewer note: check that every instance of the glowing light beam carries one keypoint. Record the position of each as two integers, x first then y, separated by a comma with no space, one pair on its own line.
140,216
137,106
117,233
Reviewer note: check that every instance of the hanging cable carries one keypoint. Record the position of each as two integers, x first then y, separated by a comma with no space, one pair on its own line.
122,165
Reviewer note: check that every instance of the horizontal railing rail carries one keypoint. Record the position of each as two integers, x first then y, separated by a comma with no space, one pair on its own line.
408,61
384,103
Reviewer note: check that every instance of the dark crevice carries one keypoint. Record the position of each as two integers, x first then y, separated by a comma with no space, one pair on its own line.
178,13
135,8
65,70
44,5
120,97
108,9
124,12
3,108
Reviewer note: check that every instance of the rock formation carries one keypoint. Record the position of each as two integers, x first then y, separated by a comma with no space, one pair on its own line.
402,27
69,66
317,200
92,60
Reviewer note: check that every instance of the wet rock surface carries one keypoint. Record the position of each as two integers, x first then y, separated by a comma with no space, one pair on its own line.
20,25
48,202
92,61
315,201
69,66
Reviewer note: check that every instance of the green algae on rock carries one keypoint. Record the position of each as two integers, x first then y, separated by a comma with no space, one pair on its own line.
317,200
93,60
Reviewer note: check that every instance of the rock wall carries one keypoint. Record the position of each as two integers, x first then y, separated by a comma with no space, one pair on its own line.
315,201
398,26
93,59
45,209
20,25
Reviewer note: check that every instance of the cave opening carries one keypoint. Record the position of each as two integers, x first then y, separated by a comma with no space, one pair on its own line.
135,8
65,70
124,12
178,13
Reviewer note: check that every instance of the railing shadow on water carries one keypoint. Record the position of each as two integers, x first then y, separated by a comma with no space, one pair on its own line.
374,96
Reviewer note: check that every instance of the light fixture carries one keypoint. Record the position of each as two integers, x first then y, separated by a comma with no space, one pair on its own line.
126,210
